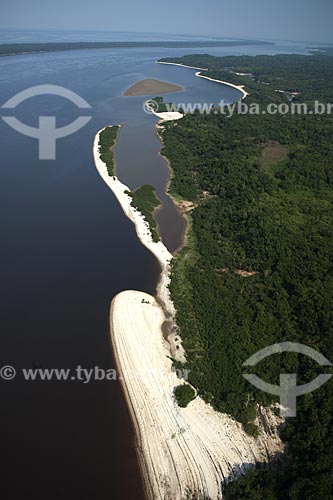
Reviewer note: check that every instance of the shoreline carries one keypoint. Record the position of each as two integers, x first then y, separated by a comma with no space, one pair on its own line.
180,204
113,148
137,431
158,249
240,88
179,449
181,65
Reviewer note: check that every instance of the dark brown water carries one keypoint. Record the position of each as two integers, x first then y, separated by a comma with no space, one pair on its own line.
141,164
66,250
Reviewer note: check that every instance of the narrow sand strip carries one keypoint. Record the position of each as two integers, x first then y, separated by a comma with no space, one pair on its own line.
237,87
199,75
180,449
142,228
182,65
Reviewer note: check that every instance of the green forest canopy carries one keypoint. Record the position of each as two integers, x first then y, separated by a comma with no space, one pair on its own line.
107,140
257,267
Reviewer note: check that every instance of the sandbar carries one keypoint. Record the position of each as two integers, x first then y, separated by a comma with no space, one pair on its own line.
151,87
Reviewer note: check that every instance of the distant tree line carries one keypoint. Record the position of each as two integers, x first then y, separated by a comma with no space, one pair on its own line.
8,49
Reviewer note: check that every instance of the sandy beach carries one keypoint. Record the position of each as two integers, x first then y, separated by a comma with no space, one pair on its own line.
237,87
199,75
180,449
168,116
181,65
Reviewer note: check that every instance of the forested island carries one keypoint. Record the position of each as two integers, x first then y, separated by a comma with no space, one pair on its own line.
144,199
107,141
256,268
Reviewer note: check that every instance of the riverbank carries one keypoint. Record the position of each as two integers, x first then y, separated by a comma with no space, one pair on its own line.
237,87
240,88
144,234
184,206
142,229
181,450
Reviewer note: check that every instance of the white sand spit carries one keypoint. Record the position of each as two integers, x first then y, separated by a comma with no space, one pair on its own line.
142,228
182,65
168,116
199,75
237,87
180,449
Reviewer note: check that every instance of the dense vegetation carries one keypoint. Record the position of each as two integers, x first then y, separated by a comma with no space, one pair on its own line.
107,139
257,265
23,48
145,200
184,395
160,106
311,76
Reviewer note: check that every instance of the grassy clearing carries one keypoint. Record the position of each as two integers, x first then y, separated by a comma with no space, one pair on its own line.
272,153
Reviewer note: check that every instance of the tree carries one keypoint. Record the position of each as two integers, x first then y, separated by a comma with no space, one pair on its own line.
184,395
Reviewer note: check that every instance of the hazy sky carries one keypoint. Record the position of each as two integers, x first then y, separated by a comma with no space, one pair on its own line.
308,20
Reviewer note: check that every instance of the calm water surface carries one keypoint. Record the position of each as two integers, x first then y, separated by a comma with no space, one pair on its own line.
66,250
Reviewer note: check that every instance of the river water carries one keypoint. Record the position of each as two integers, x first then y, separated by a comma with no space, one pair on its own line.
66,250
